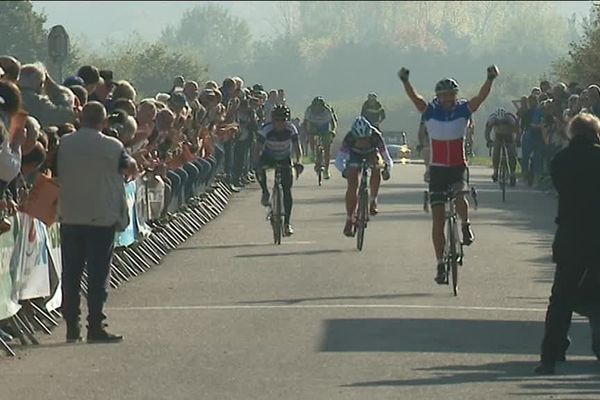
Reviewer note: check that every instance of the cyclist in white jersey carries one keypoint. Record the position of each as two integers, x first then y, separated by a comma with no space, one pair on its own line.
446,120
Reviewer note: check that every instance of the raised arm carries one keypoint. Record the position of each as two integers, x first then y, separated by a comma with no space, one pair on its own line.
416,98
475,102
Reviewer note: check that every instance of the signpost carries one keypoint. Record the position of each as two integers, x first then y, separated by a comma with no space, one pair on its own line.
58,49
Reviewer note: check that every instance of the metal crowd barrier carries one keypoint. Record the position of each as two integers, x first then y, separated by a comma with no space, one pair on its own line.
154,239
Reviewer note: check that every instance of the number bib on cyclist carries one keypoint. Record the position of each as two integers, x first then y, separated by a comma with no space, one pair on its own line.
447,131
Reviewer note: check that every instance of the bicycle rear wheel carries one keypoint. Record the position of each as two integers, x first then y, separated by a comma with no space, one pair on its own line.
277,215
361,220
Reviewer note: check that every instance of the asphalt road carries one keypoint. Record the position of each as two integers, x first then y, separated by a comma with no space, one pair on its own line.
231,316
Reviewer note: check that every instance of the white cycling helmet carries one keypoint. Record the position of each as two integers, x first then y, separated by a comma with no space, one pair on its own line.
361,128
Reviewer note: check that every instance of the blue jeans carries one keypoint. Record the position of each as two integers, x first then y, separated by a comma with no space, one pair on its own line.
533,142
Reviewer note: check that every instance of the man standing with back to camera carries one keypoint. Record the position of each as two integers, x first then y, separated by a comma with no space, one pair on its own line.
92,207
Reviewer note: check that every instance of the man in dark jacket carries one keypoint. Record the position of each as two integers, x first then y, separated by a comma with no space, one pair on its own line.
576,248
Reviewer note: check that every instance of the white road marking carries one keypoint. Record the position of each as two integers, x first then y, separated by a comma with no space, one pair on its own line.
323,306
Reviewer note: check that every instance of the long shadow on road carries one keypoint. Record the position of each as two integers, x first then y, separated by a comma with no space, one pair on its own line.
576,378
466,336
308,299
291,253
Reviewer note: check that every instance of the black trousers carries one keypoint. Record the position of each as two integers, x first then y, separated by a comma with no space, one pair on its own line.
82,246
563,300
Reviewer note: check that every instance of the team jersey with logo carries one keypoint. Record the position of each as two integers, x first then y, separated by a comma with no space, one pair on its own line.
447,131
278,144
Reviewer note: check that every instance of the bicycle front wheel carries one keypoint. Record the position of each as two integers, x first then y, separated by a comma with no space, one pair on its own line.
277,216
361,220
319,164
503,174
453,256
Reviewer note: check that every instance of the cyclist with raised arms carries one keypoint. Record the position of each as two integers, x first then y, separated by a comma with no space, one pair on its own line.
320,119
364,142
506,127
275,144
446,119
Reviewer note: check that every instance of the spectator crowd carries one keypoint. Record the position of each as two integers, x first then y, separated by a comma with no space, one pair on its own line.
178,139
544,115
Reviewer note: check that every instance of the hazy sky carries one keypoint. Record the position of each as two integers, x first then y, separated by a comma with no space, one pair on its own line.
98,20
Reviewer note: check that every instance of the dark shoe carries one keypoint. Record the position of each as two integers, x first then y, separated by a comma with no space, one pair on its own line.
513,181
373,210
73,333
349,228
441,278
495,178
100,335
288,231
468,236
544,368
265,200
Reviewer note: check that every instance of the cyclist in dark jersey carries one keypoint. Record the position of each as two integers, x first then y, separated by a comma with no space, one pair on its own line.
276,143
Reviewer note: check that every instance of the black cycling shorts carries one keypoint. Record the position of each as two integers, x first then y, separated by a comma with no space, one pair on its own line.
445,179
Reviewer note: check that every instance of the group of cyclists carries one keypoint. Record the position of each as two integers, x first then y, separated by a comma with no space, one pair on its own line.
447,120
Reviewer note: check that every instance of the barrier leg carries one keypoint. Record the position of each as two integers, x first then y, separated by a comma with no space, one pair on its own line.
9,351
25,328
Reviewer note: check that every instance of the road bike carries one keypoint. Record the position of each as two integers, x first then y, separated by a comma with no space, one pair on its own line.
453,249
276,208
276,214
503,169
362,213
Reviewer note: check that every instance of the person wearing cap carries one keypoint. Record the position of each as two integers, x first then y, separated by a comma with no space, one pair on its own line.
372,110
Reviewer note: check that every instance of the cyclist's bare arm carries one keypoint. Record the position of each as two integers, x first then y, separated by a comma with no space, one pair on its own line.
422,136
485,90
416,98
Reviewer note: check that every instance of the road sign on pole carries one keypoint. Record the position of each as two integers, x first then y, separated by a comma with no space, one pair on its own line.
58,48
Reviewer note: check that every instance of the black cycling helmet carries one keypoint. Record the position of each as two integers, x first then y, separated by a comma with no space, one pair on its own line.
447,85
280,113
318,101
